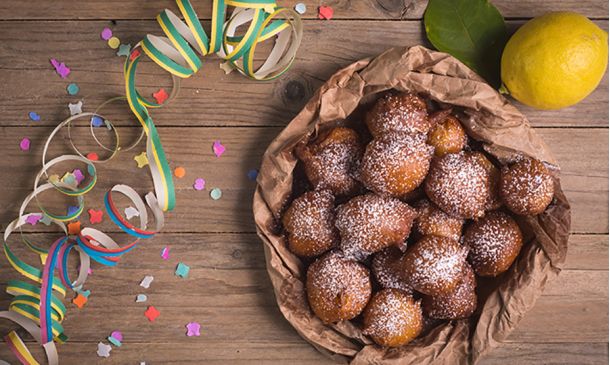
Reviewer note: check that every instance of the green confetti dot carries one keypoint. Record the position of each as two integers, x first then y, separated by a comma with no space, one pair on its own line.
216,193
73,89
91,170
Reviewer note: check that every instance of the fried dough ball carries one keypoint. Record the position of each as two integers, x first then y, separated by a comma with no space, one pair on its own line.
386,270
396,164
527,187
431,220
369,223
392,318
458,304
310,223
459,184
331,159
398,112
433,265
337,288
494,201
494,241
448,136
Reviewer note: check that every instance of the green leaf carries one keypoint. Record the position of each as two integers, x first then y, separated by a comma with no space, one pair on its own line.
473,31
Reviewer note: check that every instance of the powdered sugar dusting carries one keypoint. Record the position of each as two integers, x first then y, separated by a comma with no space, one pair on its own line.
459,184
527,187
393,318
396,163
494,241
398,112
433,221
337,288
460,303
386,270
369,223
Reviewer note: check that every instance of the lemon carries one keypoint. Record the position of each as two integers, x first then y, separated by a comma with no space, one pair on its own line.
554,60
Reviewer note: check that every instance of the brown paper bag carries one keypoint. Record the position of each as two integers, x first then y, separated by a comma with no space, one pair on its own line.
490,119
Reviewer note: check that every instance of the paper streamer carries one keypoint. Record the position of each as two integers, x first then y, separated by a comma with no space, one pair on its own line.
37,307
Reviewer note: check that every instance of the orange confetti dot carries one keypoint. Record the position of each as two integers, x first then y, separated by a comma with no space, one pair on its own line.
74,228
80,300
180,172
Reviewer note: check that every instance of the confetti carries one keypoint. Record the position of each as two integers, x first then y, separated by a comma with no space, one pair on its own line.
80,301
95,216
146,281
131,212
227,67
72,209
97,121
165,253
114,42
61,68
115,338
33,219
76,108
92,156
103,350
74,228
160,96
180,172
300,8
84,293
134,54
325,12
216,193
72,88
78,175
218,148
182,270
151,313
141,159
34,116
25,144
199,184
141,298
69,179
124,50
192,329
106,34
252,174
46,220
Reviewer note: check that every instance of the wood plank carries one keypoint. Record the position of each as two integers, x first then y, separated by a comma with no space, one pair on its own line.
344,9
548,354
584,175
210,98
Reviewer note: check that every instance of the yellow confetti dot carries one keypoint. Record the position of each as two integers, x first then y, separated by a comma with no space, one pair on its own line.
114,43
141,159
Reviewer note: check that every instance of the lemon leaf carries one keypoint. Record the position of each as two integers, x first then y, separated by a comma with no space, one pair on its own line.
473,31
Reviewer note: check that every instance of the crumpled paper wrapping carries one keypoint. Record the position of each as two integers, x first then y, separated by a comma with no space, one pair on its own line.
489,118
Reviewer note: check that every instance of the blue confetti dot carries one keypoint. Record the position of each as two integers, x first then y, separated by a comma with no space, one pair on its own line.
97,121
252,174
91,170
34,116
72,209
73,89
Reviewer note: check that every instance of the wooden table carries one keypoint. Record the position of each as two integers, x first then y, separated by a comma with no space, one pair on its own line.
227,290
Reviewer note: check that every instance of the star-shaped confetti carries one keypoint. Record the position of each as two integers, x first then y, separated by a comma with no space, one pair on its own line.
218,148
80,301
147,281
165,253
325,12
34,116
61,68
115,338
227,67
192,329
131,212
24,145
141,159
78,175
160,96
95,216
33,219
103,350
124,50
182,270
74,228
199,184
151,313
76,108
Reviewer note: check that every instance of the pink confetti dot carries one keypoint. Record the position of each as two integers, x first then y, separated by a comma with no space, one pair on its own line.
199,184
117,334
218,148
106,34
25,144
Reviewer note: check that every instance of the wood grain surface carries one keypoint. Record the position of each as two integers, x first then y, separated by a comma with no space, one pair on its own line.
228,290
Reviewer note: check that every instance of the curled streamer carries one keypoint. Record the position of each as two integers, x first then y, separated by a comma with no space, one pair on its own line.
38,307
